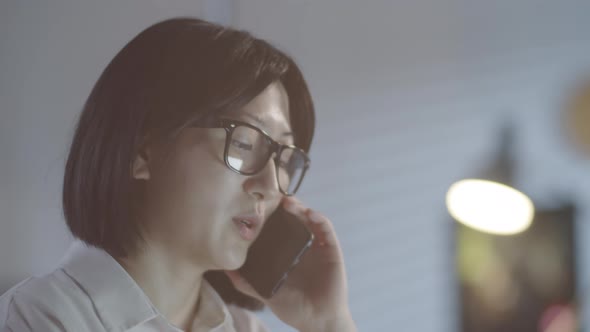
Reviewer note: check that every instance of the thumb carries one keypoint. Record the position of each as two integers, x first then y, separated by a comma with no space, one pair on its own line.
243,286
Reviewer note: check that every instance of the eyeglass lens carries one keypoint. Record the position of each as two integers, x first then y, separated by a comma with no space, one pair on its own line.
249,151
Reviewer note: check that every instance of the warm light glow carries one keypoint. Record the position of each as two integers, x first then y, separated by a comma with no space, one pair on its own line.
490,206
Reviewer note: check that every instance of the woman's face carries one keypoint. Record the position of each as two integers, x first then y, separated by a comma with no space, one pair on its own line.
193,200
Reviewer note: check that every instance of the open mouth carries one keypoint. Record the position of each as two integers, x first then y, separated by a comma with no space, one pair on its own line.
246,223
246,228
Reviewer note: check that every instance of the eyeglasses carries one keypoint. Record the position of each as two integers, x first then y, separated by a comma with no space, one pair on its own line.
248,150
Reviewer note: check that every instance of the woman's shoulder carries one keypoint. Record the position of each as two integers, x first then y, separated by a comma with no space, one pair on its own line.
48,291
245,320
49,302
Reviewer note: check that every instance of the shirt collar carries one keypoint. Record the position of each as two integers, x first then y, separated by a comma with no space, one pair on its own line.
119,301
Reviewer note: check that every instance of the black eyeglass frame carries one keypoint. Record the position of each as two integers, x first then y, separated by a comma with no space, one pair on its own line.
275,147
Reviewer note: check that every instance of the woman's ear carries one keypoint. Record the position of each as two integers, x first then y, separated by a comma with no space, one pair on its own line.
140,169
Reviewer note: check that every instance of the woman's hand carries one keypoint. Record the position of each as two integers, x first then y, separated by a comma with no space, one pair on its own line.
315,295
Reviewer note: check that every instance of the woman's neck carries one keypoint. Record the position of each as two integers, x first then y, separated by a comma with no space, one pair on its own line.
171,283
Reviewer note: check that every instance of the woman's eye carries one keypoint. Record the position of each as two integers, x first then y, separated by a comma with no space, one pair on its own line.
241,145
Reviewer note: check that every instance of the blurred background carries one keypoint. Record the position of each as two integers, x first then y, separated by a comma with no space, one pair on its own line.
411,97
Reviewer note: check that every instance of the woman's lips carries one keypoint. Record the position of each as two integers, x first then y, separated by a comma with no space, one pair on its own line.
247,226
245,231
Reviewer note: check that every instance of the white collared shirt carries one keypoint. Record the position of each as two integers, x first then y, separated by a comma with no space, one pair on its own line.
90,291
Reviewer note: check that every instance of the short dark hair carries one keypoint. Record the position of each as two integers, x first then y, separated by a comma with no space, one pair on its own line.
169,75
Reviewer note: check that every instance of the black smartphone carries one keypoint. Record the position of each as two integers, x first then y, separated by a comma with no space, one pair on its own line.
280,245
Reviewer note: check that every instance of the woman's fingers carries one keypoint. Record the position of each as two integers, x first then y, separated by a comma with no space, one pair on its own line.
294,206
318,224
322,229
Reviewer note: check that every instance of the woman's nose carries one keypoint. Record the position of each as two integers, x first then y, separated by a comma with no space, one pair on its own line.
263,184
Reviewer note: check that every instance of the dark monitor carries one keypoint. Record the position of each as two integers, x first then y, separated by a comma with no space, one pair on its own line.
524,282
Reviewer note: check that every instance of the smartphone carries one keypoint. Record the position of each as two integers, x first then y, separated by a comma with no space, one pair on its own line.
280,245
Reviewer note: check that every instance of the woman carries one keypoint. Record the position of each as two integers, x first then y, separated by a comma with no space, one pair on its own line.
157,203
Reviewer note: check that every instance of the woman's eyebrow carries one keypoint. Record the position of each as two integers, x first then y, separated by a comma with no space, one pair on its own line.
260,123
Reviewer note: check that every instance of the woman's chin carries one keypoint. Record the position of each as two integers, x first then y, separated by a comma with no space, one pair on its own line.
233,260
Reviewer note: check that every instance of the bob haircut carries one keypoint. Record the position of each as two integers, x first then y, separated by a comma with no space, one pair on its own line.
171,74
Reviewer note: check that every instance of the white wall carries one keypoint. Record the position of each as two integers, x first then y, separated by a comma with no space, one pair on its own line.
51,54
408,95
